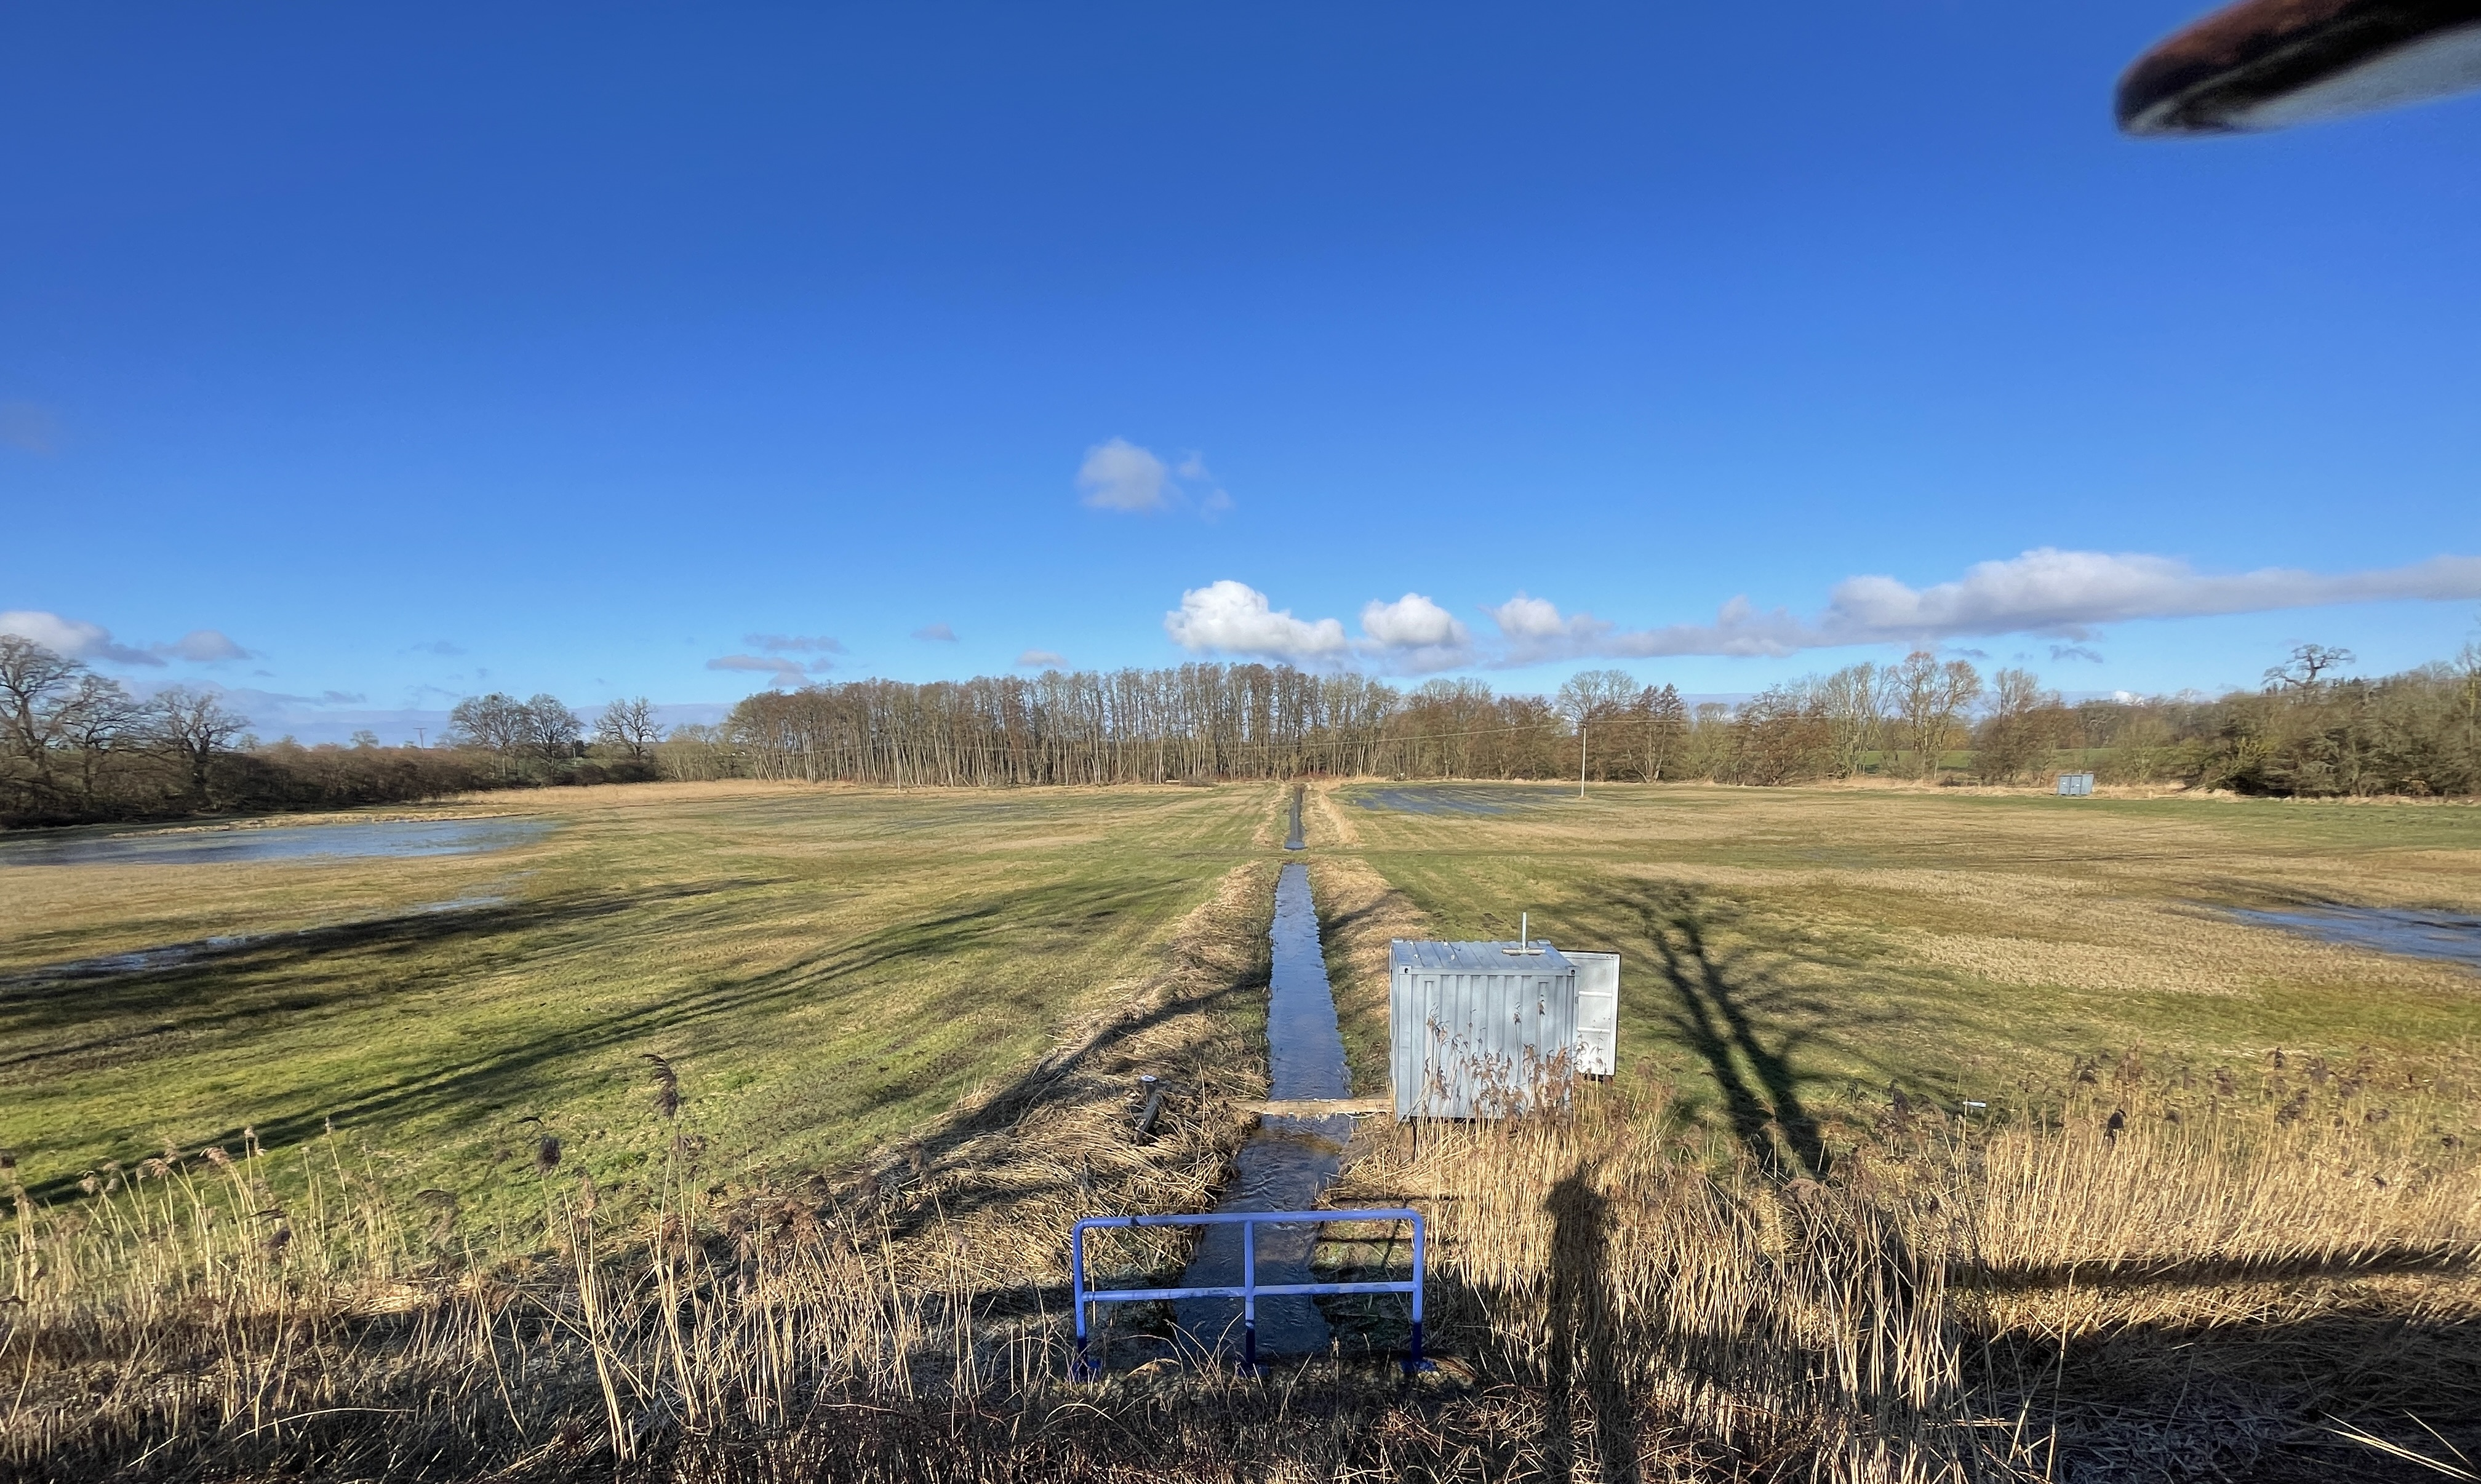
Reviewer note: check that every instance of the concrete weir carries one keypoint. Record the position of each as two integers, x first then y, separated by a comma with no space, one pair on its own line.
1291,1159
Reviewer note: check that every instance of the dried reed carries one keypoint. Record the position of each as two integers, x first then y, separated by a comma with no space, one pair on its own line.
1620,1295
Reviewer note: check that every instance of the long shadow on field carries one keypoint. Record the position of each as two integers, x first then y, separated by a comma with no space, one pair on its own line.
1583,1326
1723,1001
226,999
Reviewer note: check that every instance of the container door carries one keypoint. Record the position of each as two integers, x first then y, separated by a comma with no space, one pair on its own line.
1598,1012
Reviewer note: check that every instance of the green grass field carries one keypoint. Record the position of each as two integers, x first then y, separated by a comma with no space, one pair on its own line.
826,969
831,970
1789,953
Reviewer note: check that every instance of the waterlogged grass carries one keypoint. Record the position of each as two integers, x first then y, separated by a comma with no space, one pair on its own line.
1790,952
828,971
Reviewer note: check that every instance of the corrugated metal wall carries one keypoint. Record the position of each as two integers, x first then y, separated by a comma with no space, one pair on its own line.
1475,1039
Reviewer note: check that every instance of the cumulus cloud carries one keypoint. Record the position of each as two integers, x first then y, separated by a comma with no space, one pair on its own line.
796,644
1118,474
201,646
1528,620
73,638
781,669
1236,619
1411,622
1039,660
938,632
1414,634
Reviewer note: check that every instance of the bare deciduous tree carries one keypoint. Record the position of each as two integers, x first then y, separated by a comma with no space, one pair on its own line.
630,726
1851,702
2308,662
99,719
2018,733
552,728
33,683
496,723
1591,700
193,726
1932,699
1665,727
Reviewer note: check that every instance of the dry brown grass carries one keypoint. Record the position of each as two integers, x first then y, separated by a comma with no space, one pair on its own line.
2082,1291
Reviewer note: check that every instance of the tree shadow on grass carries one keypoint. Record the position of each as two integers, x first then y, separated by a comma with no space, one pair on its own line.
1737,1014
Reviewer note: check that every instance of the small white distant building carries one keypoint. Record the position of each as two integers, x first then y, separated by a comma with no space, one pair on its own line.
2076,785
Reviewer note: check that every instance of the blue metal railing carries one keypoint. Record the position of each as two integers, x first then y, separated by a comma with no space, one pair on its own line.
1249,1288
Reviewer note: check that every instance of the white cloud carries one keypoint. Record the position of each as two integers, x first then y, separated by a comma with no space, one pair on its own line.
2055,594
1121,475
1414,636
1535,630
1039,660
73,638
1411,622
939,632
201,646
1236,618
2064,594
2048,592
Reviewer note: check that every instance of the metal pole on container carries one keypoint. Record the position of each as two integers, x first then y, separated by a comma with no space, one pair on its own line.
1580,757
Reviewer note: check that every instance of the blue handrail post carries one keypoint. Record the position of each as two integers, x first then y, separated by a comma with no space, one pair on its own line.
1077,1370
1414,1363
1083,1367
1249,1299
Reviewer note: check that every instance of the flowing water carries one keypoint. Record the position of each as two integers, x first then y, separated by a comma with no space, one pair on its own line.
1294,841
2421,934
273,843
1290,1160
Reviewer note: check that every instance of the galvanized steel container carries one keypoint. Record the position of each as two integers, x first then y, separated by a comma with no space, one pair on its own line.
1479,1029
2076,785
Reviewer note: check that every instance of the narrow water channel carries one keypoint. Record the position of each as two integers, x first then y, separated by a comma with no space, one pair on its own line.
1288,1160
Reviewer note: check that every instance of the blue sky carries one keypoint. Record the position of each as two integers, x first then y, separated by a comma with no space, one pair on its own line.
356,360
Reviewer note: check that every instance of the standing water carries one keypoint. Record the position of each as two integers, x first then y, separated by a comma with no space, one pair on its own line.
1290,1160
2421,932
1295,842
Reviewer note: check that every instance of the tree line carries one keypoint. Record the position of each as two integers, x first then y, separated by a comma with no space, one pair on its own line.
2306,733
76,745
